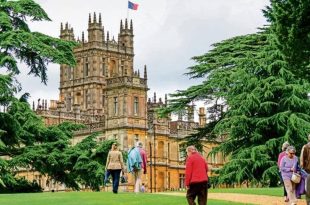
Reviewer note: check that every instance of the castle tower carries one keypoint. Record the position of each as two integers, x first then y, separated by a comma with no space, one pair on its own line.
66,72
95,30
67,32
126,34
104,84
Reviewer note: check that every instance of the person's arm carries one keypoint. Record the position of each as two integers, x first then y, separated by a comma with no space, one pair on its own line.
279,159
282,166
122,161
302,157
108,161
188,172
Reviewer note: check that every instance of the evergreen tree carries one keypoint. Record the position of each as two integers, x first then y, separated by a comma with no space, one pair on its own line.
18,43
262,78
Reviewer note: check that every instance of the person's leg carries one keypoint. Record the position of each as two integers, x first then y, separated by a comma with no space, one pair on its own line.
294,199
308,189
284,190
137,175
191,194
112,173
290,192
106,177
203,193
285,194
117,174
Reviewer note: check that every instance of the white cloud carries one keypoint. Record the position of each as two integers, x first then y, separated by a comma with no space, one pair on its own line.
167,34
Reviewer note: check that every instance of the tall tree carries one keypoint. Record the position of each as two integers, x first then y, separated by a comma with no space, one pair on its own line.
35,49
20,129
262,78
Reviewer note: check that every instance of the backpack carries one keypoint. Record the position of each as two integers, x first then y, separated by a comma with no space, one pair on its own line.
134,160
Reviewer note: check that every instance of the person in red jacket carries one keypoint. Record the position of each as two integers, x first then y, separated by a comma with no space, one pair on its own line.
196,177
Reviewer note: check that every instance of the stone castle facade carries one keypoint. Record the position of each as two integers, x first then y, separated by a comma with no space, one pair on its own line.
105,92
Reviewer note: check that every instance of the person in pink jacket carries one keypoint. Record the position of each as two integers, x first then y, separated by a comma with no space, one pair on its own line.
196,177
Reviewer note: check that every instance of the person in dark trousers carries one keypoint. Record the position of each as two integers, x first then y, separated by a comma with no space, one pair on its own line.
115,165
196,177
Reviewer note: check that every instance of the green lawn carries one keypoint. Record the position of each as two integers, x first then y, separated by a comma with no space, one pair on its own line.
96,198
258,191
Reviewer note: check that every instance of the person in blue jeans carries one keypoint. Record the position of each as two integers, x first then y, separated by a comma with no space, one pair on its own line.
114,166
107,174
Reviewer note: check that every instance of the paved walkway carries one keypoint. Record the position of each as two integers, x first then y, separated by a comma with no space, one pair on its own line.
243,198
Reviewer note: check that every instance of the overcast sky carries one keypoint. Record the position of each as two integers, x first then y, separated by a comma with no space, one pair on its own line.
167,34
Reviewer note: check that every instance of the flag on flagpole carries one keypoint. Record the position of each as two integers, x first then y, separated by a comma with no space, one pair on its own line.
132,6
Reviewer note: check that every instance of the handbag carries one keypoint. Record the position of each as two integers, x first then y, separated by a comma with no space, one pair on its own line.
123,179
296,178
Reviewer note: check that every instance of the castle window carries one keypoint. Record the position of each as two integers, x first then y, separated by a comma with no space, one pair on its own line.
103,99
69,73
68,102
112,68
103,66
122,67
86,98
115,105
182,152
160,149
181,181
136,106
86,68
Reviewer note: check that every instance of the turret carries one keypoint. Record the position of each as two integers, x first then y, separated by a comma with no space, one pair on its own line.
145,72
126,35
202,117
95,32
67,32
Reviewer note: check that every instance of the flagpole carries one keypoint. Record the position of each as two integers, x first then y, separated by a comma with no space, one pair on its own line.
127,10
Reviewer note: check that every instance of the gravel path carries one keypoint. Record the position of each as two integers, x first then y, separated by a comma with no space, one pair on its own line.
244,198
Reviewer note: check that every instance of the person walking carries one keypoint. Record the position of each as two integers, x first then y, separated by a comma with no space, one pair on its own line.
305,164
281,155
136,163
196,177
143,167
115,165
305,156
288,166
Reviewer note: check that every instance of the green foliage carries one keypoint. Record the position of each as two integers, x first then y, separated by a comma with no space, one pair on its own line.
25,142
21,186
34,49
262,80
